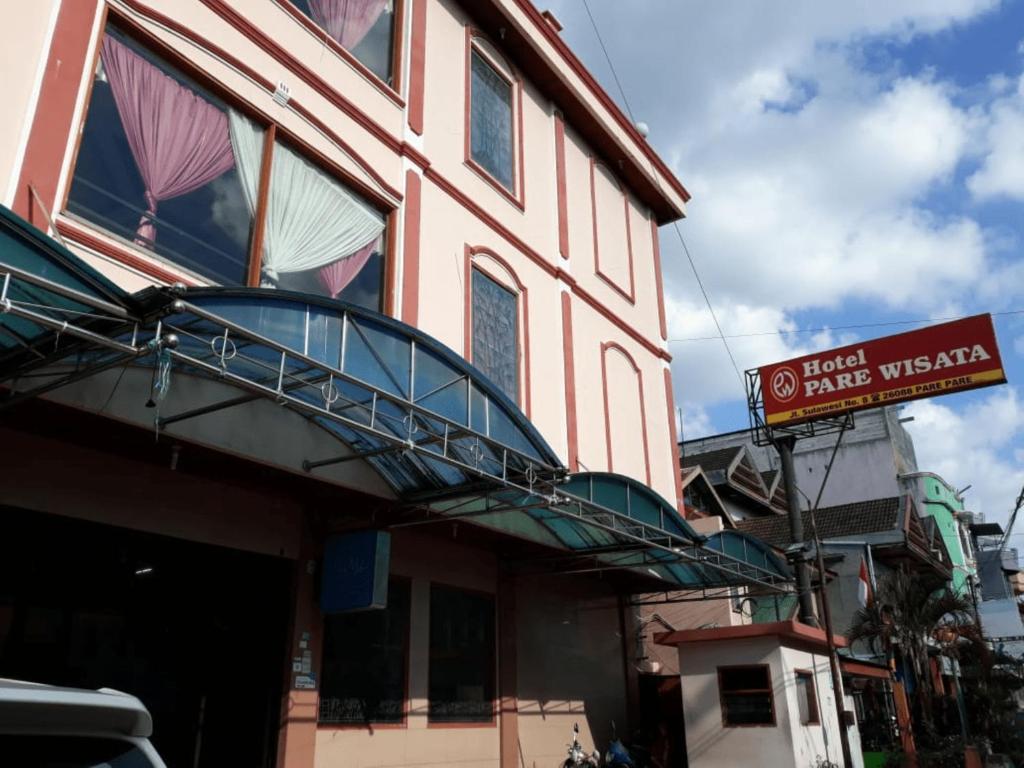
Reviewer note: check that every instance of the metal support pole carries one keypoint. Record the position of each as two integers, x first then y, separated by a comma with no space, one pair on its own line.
833,655
784,446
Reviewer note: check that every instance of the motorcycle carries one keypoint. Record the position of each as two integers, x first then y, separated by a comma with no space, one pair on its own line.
618,756
578,758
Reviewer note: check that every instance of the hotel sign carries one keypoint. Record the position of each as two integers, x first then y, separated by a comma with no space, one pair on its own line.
937,360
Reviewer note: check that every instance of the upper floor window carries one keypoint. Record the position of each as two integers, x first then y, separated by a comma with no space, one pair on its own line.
168,166
365,28
491,124
495,319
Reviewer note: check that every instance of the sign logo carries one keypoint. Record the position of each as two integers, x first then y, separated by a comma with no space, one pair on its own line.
784,384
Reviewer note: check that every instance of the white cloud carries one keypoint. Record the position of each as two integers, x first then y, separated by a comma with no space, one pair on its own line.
1002,171
815,162
973,445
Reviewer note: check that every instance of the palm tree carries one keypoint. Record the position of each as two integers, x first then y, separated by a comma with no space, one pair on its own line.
909,615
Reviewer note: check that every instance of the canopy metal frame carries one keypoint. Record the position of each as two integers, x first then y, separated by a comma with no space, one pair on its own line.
106,335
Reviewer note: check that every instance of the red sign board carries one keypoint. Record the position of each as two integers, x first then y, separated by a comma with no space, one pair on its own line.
937,360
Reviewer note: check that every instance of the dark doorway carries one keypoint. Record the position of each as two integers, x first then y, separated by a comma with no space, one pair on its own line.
196,631
661,712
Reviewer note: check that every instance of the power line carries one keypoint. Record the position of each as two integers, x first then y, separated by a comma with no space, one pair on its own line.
843,327
675,224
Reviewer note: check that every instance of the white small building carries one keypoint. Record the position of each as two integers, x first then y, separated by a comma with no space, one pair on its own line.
760,694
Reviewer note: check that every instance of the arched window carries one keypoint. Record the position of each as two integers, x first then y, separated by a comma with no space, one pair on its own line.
497,317
493,117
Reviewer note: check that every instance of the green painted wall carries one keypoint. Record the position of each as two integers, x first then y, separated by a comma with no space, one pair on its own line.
940,502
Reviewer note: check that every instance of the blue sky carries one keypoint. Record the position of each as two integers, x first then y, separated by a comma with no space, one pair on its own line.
850,163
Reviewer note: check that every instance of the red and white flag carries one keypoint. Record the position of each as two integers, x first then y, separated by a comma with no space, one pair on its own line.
863,585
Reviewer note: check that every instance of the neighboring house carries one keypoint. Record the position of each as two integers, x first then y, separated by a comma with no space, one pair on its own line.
939,500
1000,585
334,303
868,465
745,490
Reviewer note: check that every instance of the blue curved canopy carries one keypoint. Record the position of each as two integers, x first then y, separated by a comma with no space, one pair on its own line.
377,384
441,435
52,287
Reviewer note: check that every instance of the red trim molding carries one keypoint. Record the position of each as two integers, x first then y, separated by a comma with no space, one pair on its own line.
572,436
417,65
508,73
656,246
629,295
674,437
527,7
124,254
290,62
511,281
605,347
392,92
560,187
411,257
460,197
51,124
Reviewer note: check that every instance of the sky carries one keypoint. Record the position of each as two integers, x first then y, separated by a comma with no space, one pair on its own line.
851,163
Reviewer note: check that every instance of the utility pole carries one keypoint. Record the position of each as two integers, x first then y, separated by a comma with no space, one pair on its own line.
833,653
784,446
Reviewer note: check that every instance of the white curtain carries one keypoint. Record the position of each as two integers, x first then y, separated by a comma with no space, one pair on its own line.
312,220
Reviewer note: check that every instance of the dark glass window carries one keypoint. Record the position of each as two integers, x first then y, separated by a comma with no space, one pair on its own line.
365,662
461,656
365,28
490,129
807,698
746,695
155,165
496,333
50,751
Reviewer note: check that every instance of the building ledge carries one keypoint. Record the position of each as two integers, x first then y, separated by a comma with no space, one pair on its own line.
789,633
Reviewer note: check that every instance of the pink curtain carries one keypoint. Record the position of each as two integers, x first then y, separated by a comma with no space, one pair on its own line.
338,274
179,141
347,21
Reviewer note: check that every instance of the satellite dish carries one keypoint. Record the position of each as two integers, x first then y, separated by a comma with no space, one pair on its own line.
643,129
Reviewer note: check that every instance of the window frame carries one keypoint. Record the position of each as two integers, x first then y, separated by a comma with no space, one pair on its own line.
770,690
479,44
406,662
392,90
162,268
813,708
630,294
501,272
493,658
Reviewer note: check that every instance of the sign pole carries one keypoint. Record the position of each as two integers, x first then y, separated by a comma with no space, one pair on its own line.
784,445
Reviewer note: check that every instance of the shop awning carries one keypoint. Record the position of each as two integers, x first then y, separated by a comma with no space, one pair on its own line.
360,388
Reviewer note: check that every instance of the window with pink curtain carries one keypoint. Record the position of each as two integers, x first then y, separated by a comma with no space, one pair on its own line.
365,28
156,167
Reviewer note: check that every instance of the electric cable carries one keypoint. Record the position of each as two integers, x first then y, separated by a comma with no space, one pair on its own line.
843,327
675,224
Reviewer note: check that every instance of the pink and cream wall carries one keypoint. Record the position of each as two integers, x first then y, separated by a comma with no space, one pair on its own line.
571,240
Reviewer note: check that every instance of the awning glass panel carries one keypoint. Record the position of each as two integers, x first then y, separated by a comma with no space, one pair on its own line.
44,286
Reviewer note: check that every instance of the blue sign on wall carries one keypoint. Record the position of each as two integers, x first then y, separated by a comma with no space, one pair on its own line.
355,572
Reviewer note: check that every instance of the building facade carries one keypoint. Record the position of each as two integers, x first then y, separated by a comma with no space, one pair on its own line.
294,289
